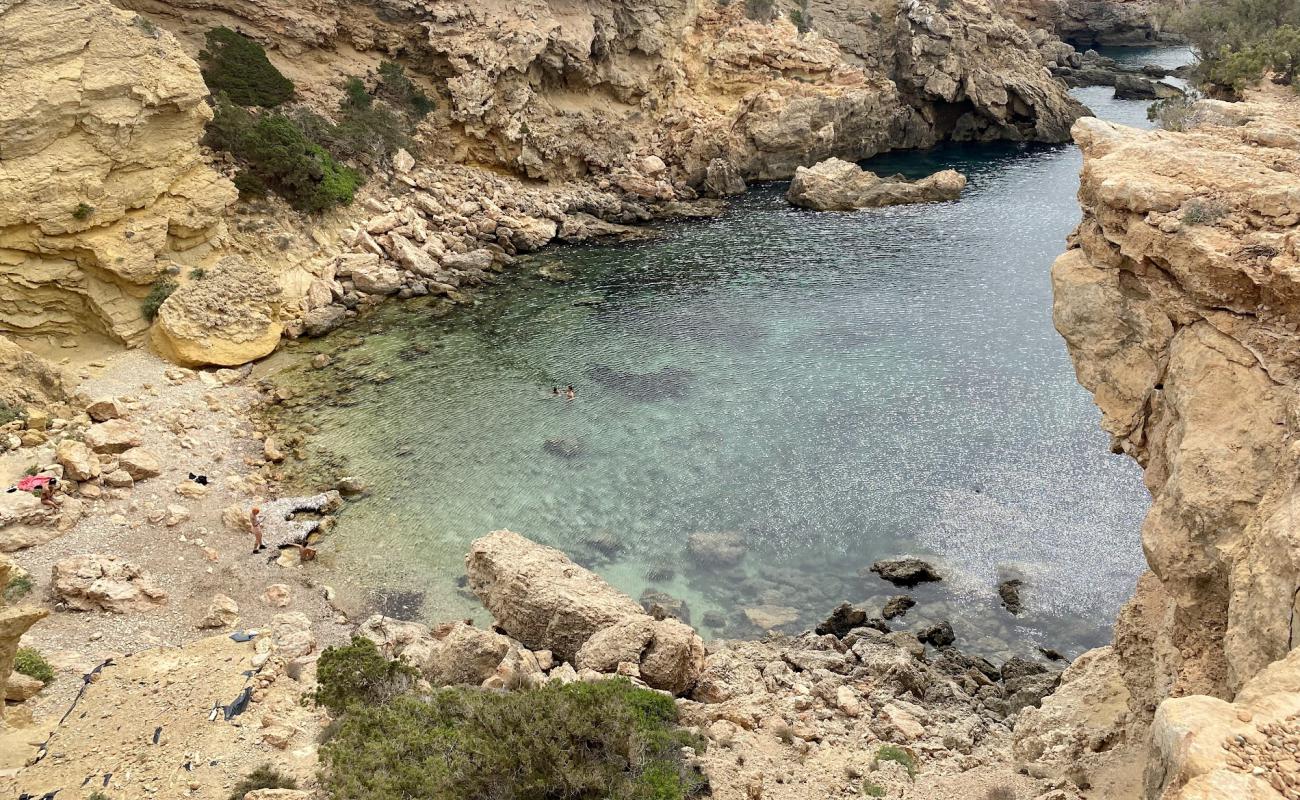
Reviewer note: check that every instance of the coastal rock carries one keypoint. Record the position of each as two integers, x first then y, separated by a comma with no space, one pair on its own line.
320,321
1175,302
906,571
540,597
770,617
376,278
462,654
723,179
940,634
1080,723
229,317
1009,594
95,582
835,185
845,618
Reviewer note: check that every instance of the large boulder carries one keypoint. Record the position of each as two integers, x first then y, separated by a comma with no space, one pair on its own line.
95,582
835,185
78,461
139,463
540,597
114,436
448,654
906,571
228,317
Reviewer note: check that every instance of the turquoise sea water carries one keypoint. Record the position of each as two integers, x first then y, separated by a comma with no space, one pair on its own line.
837,388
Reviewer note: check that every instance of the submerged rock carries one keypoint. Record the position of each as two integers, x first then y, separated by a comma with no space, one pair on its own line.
716,548
835,185
662,605
564,448
906,571
897,606
1009,592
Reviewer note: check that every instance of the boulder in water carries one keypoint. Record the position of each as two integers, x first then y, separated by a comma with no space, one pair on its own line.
906,571
1009,592
835,185
940,634
845,618
716,548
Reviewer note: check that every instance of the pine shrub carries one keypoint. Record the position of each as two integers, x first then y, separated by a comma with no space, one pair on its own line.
237,66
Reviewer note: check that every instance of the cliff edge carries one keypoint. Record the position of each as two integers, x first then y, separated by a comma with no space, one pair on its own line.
1178,301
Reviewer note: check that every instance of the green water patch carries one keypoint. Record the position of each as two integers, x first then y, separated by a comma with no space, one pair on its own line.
834,388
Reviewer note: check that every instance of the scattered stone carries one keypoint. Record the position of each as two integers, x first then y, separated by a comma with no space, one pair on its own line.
139,463
119,479
20,688
104,409
223,612
278,595
845,618
906,572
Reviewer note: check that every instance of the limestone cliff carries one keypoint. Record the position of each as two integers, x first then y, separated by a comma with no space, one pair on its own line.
1089,23
557,89
1179,303
101,180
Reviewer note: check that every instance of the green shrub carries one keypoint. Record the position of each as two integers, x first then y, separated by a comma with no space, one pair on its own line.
10,412
1174,113
19,587
581,741
801,19
83,211
98,796
264,777
398,89
159,292
1203,212
1239,40
892,752
31,663
359,673
145,25
237,66
1277,53
870,789
355,94
249,185
198,274
274,148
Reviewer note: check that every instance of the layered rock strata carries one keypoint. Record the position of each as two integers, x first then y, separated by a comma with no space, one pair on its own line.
1089,23
101,180
1178,301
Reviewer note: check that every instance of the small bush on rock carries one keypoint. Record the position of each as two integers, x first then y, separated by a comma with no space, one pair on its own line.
1204,212
159,293
898,755
31,663
83,211
399,90
581,741
18,588
870,789
237,66
359,673
264,777
10,412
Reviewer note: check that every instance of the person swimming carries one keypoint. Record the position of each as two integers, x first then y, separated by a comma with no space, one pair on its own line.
571,392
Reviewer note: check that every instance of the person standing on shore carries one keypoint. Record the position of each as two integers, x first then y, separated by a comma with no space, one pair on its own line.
255,519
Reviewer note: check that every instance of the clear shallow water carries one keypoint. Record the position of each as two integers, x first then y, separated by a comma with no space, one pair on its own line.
836,387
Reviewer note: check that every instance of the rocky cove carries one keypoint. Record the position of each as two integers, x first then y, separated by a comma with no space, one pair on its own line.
693,352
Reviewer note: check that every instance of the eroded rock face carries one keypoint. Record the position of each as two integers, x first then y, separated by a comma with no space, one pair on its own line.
547,602
1088,23
835,185
101,183
228,317
1179,306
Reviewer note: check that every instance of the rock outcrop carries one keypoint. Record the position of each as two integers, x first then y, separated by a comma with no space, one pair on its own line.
547,602
101,180
14,622
1178,302
835,185
104,583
